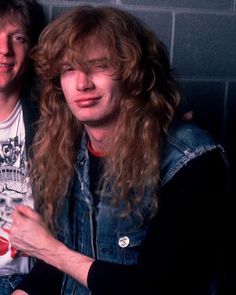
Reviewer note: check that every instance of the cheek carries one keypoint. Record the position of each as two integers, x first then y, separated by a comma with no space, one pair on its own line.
23,60
116,93
67,94
68,88
22,52
66,84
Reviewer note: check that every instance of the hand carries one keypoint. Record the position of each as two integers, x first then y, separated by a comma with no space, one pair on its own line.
19,292
29,233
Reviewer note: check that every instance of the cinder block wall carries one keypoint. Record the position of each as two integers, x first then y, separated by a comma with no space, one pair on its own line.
201,38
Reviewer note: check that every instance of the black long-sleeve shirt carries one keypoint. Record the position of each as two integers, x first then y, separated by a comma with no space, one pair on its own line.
185,246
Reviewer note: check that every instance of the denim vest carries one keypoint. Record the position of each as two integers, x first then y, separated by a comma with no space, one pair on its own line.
117,239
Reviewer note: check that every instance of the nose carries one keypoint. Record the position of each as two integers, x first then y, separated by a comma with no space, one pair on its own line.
5,45
83,81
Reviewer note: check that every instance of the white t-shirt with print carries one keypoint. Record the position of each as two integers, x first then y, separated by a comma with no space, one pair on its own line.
14,188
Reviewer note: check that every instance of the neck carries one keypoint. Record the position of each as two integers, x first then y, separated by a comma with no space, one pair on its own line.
100,139
7,104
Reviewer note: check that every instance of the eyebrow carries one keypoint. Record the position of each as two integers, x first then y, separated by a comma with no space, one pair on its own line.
97,60
19,31
90,62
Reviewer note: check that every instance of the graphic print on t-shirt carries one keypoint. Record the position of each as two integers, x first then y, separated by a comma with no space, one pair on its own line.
14,190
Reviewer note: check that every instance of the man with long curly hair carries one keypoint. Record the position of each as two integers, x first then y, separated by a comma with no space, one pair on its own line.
129,197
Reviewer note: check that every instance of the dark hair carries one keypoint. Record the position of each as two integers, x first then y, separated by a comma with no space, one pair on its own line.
30,14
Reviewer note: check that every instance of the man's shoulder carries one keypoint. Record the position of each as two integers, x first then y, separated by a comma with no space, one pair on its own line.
184,141
187,135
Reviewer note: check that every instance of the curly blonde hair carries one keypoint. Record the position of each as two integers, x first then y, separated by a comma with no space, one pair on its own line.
147,106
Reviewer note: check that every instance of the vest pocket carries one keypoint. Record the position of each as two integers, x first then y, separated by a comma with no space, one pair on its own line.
128,245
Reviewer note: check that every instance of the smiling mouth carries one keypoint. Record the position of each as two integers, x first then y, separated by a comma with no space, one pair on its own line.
87,98
86,102
6,65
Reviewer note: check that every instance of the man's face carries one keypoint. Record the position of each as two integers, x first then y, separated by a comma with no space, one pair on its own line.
14,45
91,91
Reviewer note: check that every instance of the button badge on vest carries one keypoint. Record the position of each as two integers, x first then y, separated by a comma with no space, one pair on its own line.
123,241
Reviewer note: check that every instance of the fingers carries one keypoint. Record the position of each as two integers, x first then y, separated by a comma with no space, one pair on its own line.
25,211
